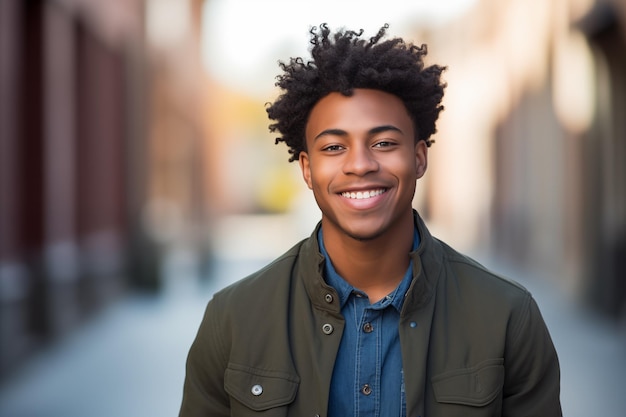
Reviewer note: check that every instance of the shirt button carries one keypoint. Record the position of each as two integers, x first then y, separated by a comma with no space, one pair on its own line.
257,390
368,328
366,389
327,328
328,298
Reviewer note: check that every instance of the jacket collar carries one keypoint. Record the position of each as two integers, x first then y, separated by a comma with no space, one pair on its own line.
427,261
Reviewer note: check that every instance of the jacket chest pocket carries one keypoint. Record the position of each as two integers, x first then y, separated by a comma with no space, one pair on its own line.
259,392
471,391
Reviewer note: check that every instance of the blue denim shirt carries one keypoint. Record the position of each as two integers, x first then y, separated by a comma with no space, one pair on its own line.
367,377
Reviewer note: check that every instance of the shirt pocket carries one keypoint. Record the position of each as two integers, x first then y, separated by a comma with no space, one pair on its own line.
259,391
477,386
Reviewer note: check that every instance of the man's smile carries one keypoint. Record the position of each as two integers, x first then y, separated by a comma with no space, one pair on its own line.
360,195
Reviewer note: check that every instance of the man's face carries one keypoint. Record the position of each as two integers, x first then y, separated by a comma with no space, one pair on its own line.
362,163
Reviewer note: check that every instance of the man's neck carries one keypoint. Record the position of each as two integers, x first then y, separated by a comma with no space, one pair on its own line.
375,266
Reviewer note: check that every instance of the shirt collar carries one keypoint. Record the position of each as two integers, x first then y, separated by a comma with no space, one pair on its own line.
344,289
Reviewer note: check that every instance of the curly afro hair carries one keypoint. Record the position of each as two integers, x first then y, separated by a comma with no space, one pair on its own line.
346,62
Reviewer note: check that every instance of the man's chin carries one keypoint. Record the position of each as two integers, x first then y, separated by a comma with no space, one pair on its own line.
362,235
361,230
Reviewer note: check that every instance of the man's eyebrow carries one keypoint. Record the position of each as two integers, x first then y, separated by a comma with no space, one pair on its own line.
384,128
372,131
331,132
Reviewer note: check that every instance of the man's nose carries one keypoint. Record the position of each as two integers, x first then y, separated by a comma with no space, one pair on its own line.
360,161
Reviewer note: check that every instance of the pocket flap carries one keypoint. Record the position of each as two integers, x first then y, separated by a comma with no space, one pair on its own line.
476,386
260,389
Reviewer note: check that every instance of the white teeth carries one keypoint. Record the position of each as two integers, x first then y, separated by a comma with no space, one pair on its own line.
359,195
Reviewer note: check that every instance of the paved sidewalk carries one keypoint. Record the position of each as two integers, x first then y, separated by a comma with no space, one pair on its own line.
129,361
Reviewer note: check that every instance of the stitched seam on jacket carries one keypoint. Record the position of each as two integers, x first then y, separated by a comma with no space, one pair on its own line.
217,331
523,319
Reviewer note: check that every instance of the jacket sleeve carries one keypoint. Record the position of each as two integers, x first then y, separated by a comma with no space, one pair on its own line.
203,392
532,376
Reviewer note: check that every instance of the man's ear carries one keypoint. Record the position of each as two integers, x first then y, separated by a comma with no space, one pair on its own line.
421,158
305,166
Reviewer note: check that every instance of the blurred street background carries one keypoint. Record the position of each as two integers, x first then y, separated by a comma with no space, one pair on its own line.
137,177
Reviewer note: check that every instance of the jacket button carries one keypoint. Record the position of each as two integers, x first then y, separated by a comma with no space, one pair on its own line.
327,328
257,390
368,328
328,298
366,389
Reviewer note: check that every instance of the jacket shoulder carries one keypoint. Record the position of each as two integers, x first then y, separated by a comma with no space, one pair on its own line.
469,273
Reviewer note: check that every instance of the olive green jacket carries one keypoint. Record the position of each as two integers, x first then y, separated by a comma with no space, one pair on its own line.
473,343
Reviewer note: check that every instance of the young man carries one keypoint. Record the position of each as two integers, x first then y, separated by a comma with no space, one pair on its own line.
371,315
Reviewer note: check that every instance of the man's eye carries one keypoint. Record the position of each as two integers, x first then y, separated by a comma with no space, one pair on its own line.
383,144
332,148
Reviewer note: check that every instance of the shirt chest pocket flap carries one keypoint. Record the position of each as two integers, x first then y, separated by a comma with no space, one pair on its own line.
260,389
476,386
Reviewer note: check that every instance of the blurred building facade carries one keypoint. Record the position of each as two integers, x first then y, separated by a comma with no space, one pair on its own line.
112,149
100,143
536,103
